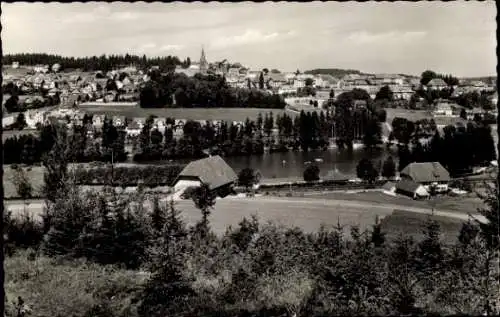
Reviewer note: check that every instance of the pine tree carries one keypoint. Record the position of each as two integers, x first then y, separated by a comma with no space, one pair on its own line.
204,200
377,236
490,230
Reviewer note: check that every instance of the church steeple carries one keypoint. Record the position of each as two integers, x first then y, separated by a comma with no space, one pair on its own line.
203,62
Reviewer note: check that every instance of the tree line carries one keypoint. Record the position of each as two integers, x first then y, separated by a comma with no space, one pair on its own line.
30,149
96,63
458,149
210,91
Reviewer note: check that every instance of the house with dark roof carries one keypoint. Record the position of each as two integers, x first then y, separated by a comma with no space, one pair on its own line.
437,84
432,175
212,171
412,189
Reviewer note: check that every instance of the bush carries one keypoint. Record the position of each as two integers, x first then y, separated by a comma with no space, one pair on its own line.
311,173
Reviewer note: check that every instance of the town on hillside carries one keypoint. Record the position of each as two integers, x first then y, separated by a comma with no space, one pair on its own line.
195,159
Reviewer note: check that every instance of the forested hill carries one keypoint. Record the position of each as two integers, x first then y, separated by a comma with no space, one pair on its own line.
335,72
103,62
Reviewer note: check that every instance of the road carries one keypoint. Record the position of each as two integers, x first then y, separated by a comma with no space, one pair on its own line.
307,213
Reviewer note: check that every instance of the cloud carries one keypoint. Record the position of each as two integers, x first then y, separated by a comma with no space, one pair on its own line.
171,47
124,16
364,37
146,47
249,37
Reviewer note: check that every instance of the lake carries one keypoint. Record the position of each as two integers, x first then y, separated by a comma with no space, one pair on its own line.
292,164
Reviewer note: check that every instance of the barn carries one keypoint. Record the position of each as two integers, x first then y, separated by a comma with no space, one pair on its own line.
212,171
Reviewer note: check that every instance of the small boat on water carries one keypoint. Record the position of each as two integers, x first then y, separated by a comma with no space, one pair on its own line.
318,160
307,163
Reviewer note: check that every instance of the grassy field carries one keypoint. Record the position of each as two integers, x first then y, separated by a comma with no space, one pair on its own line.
458,204
18,133
226,114
412,115
33,173
406,223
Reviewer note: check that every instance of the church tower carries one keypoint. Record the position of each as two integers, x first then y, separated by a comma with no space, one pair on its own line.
203,62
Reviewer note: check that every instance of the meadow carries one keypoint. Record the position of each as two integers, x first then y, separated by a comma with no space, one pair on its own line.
226,114
406,223
412,115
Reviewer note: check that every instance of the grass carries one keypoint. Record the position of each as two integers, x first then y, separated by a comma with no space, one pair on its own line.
33,173
11,133
412,115
411,224
309,215
53,288
458,204
226,114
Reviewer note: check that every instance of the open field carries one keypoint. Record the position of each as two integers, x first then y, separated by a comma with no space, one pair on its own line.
226,114
462,205
412,115
11,133
33,173
307,213
406,223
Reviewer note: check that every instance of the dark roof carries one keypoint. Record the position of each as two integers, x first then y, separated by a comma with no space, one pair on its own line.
334,175
388,186
407,186
426,172
212,171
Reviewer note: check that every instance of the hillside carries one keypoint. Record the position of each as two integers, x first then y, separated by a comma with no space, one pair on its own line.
335,72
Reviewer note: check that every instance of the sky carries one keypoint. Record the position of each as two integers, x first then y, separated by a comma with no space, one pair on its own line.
375,37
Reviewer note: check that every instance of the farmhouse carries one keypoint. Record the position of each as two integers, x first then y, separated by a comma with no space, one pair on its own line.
412,189
428,174
212,171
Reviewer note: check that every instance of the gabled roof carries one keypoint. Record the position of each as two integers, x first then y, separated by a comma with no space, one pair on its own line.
426,172
407,186
437,82
389,186
212,171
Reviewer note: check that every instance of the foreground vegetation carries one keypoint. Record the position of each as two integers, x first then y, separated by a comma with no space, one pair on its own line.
99,255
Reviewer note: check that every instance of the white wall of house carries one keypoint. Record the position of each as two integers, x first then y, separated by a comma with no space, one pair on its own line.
421,191
184,183
440,188
132,132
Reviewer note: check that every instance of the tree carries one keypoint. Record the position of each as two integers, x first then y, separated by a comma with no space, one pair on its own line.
377,236
309,82
389,168
385,93
20,121
247,178
22,183
269,124
261,80
366,171
56,165
463,114
311,173
490,229
427,76
204,200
